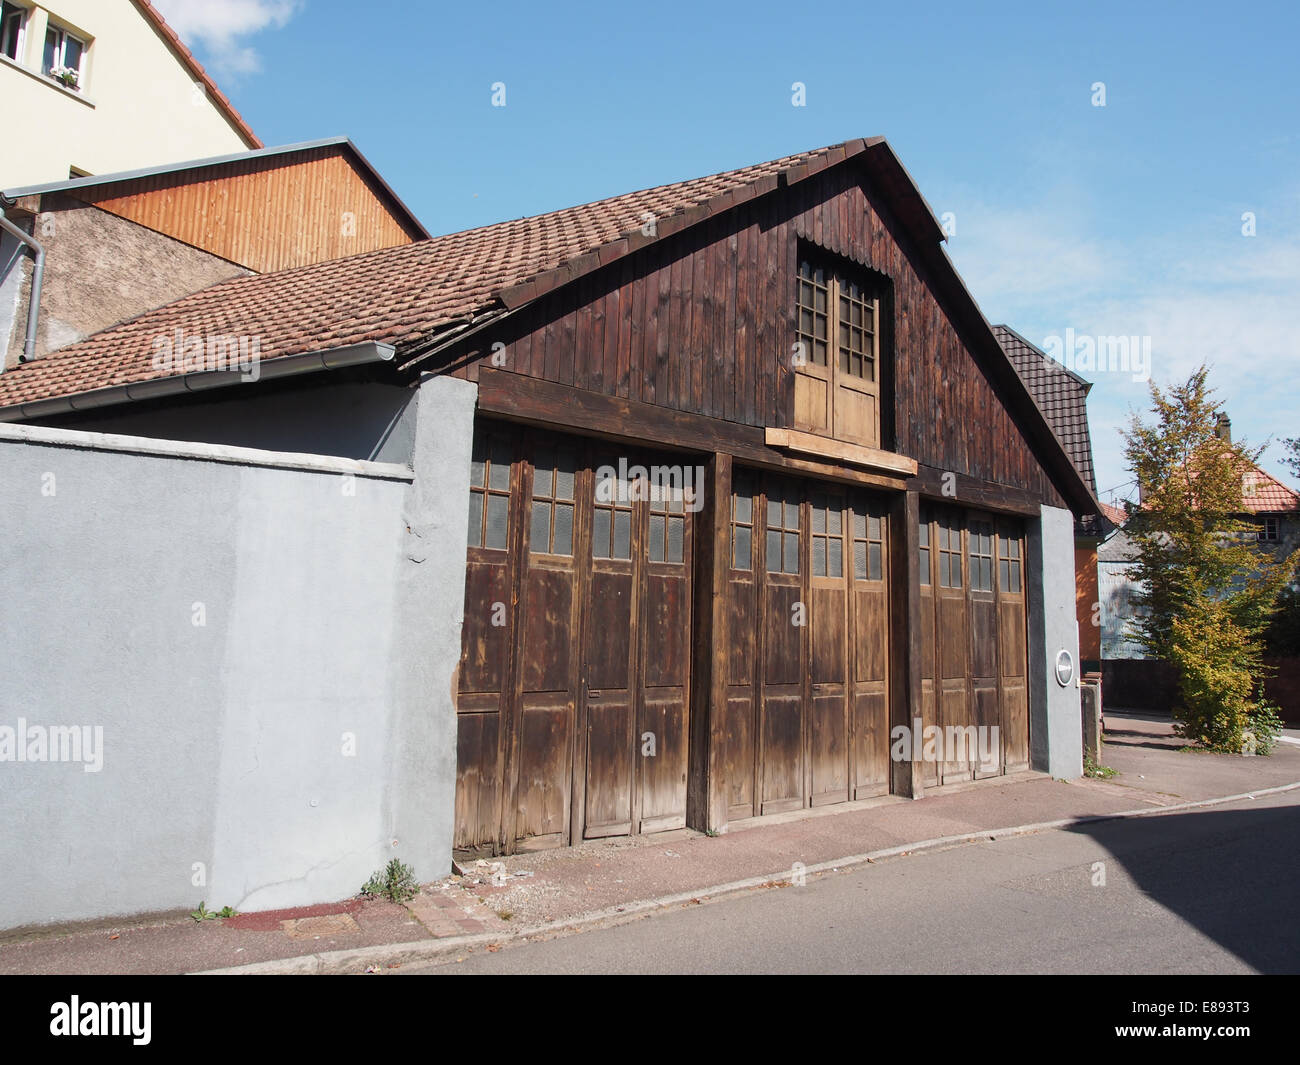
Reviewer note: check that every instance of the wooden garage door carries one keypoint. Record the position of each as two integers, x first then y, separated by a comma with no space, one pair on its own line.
973,642
573,686
807,716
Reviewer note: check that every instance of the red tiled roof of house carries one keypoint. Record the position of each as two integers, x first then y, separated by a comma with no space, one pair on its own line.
1262,493
399,296
1116,515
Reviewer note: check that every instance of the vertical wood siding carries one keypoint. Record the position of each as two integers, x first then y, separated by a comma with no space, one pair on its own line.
703,323
266,214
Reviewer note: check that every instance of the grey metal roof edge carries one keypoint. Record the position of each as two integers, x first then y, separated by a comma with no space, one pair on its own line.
9,196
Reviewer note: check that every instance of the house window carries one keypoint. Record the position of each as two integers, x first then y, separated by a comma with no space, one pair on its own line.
12,20
782,532
981,556
551,532
489,494
1268,530
64,56
827,535
837,361
1009,561
742,524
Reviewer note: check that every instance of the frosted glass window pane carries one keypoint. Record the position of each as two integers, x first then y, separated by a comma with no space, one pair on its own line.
497,511
600,534
656,538
563,530
540,535
740,558
835,558
622,534
475,520
676,539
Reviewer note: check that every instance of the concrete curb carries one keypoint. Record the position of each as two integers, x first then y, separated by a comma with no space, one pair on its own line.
338,962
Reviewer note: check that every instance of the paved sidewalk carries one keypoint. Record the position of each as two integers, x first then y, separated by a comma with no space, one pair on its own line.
534,893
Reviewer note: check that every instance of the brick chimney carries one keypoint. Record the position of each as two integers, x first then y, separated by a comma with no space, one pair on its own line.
1223,430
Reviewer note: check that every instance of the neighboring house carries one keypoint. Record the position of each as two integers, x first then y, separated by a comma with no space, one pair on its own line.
1062,395
117,245
99,86
869,524
1267,504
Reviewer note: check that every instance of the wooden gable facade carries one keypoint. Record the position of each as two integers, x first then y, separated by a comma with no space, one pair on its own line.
633,663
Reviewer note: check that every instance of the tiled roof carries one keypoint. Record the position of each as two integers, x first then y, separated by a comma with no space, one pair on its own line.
397,295
1115,515
1060,393
1263,494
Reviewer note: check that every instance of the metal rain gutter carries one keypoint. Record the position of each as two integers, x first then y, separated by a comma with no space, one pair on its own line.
38,282
202,381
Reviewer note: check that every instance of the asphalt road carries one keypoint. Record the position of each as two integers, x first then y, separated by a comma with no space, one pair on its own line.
1208,891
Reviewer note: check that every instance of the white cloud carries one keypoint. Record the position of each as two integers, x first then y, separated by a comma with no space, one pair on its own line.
1202,293
220,29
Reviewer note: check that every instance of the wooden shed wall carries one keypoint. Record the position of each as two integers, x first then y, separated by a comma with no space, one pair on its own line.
265,214
704,322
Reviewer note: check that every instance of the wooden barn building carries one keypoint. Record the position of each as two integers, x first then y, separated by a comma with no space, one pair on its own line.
752,487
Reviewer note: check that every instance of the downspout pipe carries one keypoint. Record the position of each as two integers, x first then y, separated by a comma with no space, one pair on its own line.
38,281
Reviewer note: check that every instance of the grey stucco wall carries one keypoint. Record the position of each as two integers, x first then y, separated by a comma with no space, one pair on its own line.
1056,739
350,419
277,753
101,269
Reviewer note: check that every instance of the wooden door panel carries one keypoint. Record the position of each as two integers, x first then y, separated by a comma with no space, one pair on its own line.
828,623
741,756
782,753
871,735
478,777
828,748
608,627
983,637
485,645
548,641
1015,730
542,816
609,766
781,636
666,620
663,773
988,720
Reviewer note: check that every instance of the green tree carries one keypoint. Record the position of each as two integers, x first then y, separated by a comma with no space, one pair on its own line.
1206,590
1292,457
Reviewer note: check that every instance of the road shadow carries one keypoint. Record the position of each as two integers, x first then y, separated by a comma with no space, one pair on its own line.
1234,875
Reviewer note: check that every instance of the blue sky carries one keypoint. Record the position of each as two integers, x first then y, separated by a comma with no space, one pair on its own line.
1116,220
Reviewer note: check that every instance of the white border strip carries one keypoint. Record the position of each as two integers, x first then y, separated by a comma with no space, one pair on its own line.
41,435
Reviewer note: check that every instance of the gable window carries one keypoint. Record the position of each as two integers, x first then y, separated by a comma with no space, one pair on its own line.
64,57
12,20
837,361
1268,530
